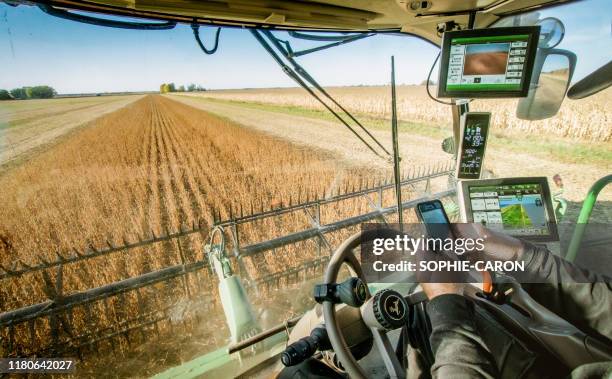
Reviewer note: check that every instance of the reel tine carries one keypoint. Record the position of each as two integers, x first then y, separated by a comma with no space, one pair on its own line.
78,254
24,265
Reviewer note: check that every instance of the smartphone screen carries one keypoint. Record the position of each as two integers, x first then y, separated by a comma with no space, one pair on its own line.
434,217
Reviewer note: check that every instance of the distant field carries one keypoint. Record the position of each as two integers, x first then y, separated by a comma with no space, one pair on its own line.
587,119
290,113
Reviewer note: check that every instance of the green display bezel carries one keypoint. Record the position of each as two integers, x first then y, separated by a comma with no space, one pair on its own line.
484,90
465,188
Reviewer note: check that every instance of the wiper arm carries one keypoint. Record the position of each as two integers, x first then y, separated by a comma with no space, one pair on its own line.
304,74
300,75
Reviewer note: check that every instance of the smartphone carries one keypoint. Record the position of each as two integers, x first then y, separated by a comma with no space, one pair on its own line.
432,215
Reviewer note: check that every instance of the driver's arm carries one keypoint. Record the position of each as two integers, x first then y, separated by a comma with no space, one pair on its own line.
458,348
579,296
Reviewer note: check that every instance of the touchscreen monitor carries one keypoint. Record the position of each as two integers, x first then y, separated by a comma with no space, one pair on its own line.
495,62
520,207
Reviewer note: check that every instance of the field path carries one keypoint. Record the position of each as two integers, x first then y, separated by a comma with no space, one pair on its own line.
415,150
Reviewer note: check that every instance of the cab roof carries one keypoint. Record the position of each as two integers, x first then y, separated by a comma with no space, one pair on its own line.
418,17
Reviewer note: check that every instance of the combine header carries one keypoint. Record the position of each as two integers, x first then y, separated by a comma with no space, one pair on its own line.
82,322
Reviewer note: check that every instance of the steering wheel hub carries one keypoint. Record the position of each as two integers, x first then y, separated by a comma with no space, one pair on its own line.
390,309
386,310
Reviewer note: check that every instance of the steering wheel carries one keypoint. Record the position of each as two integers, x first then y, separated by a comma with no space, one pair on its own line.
398,306
535,324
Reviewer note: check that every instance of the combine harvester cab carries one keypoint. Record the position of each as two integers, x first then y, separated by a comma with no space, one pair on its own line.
350,327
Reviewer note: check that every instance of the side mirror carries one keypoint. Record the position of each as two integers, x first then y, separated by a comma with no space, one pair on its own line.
552,73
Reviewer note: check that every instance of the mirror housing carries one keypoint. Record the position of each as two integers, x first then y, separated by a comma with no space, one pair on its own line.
594,82
552,74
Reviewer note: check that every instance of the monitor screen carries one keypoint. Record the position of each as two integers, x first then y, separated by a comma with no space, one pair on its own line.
520,207
473,143
493,62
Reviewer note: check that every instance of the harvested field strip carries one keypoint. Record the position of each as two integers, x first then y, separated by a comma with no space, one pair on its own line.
153,165
27,120
26,126
17,112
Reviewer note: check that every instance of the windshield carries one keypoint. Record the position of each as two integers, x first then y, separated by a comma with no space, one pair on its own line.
121,150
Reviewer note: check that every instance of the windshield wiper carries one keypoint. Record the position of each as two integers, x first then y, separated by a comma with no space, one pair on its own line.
301,76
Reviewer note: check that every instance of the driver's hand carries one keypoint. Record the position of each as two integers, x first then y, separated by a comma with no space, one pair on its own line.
433,290
497,245
436,283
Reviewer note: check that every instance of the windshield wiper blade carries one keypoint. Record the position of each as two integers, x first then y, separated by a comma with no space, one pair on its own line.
336,41
301,76
304,74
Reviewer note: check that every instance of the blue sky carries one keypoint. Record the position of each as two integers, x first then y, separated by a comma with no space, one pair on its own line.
39,49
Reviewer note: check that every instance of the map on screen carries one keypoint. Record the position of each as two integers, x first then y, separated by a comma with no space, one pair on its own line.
514,208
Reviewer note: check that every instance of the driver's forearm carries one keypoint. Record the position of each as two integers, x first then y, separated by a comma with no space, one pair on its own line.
579,296
458,348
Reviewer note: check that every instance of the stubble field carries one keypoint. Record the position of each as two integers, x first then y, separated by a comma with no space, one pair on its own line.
27,127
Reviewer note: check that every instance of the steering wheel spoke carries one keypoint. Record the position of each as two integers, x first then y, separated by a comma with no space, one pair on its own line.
393,365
